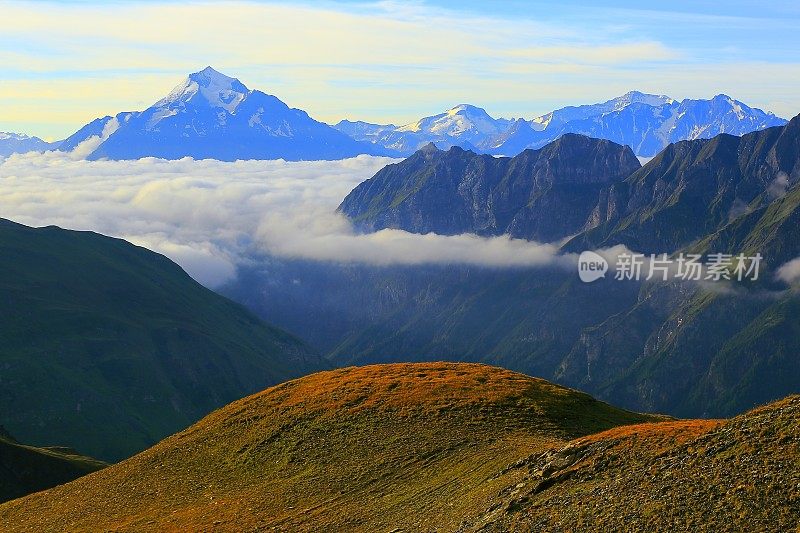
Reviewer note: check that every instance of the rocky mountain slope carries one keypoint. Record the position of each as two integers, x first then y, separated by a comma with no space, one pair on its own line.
462,192
688,349
583,186
108,347
694,189
738,345
689,475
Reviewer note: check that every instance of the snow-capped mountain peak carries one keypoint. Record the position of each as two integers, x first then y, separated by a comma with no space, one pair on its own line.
467,109
646,122
213,116
458,121
209,86
570,113
12,143
737,108
638,97
7,135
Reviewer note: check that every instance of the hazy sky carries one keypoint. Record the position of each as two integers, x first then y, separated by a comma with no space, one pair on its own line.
64,63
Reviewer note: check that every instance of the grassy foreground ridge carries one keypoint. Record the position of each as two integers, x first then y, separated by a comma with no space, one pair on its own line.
438,446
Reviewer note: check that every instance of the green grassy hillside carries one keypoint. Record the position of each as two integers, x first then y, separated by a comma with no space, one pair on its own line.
108,347
26,469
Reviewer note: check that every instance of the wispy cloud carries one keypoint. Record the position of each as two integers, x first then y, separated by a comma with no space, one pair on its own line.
65,63
588,54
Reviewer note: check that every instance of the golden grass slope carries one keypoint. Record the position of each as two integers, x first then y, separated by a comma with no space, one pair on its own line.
402,447
439,447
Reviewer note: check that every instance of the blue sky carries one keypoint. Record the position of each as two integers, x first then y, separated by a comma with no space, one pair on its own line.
64,63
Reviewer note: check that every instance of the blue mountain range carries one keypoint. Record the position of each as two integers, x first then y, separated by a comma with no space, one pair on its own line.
213,116
645,122
14,143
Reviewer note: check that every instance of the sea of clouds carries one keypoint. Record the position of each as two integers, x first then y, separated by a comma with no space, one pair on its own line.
212,216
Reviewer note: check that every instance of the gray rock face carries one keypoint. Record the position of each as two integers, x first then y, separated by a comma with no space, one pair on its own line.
541,195
695,188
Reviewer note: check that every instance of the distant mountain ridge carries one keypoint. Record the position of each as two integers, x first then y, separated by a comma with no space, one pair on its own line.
466,126
645,122
562,116
211,115
648,129
14,143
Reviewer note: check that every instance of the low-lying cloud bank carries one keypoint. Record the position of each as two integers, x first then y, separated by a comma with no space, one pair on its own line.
210,216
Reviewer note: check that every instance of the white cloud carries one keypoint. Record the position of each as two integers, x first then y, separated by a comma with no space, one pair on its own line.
336,242
383,61
378,61
778,187
789,272
210,215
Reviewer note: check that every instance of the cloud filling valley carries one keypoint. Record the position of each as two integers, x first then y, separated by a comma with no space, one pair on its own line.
211,216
